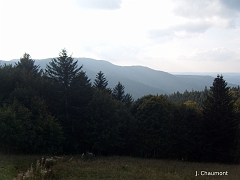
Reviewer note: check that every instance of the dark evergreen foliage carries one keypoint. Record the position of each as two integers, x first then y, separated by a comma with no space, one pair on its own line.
128,100
195,96
72,92
28,65
104,124
118,92
81,94
100,82
63,69
186,133
220,124
59,111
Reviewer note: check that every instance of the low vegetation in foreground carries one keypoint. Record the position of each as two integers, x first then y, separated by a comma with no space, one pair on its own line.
115,167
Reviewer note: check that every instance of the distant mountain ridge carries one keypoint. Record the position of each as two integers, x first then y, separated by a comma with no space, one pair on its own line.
140,80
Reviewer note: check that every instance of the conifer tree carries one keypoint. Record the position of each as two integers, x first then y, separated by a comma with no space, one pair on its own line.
100,81
219,125
63,69
72,91
128,100
118,92
27,64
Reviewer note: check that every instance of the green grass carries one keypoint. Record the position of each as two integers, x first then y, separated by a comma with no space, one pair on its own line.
126,168
11,165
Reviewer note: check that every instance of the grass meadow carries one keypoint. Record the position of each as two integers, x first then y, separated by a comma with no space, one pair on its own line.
115,167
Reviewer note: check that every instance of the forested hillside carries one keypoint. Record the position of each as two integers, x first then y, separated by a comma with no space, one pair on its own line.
60,111
140,81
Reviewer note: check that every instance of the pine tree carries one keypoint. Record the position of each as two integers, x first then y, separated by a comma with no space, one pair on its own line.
118,92
72,91
219,125
128,100
100,81
63,69
27,64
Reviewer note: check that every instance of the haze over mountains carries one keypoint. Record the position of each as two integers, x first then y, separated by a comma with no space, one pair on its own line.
140,81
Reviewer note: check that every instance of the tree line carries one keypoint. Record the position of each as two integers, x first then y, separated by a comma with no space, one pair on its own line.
59,111
197,98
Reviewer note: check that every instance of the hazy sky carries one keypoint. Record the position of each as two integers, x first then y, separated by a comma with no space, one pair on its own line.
168,35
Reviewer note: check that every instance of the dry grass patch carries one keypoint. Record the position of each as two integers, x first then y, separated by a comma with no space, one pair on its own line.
125,168
136,168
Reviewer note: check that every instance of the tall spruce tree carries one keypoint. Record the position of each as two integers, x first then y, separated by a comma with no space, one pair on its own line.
100,82
63,70
219,125
72,91
27,64
118,92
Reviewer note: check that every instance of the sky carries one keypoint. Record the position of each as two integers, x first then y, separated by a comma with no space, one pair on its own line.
166,35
